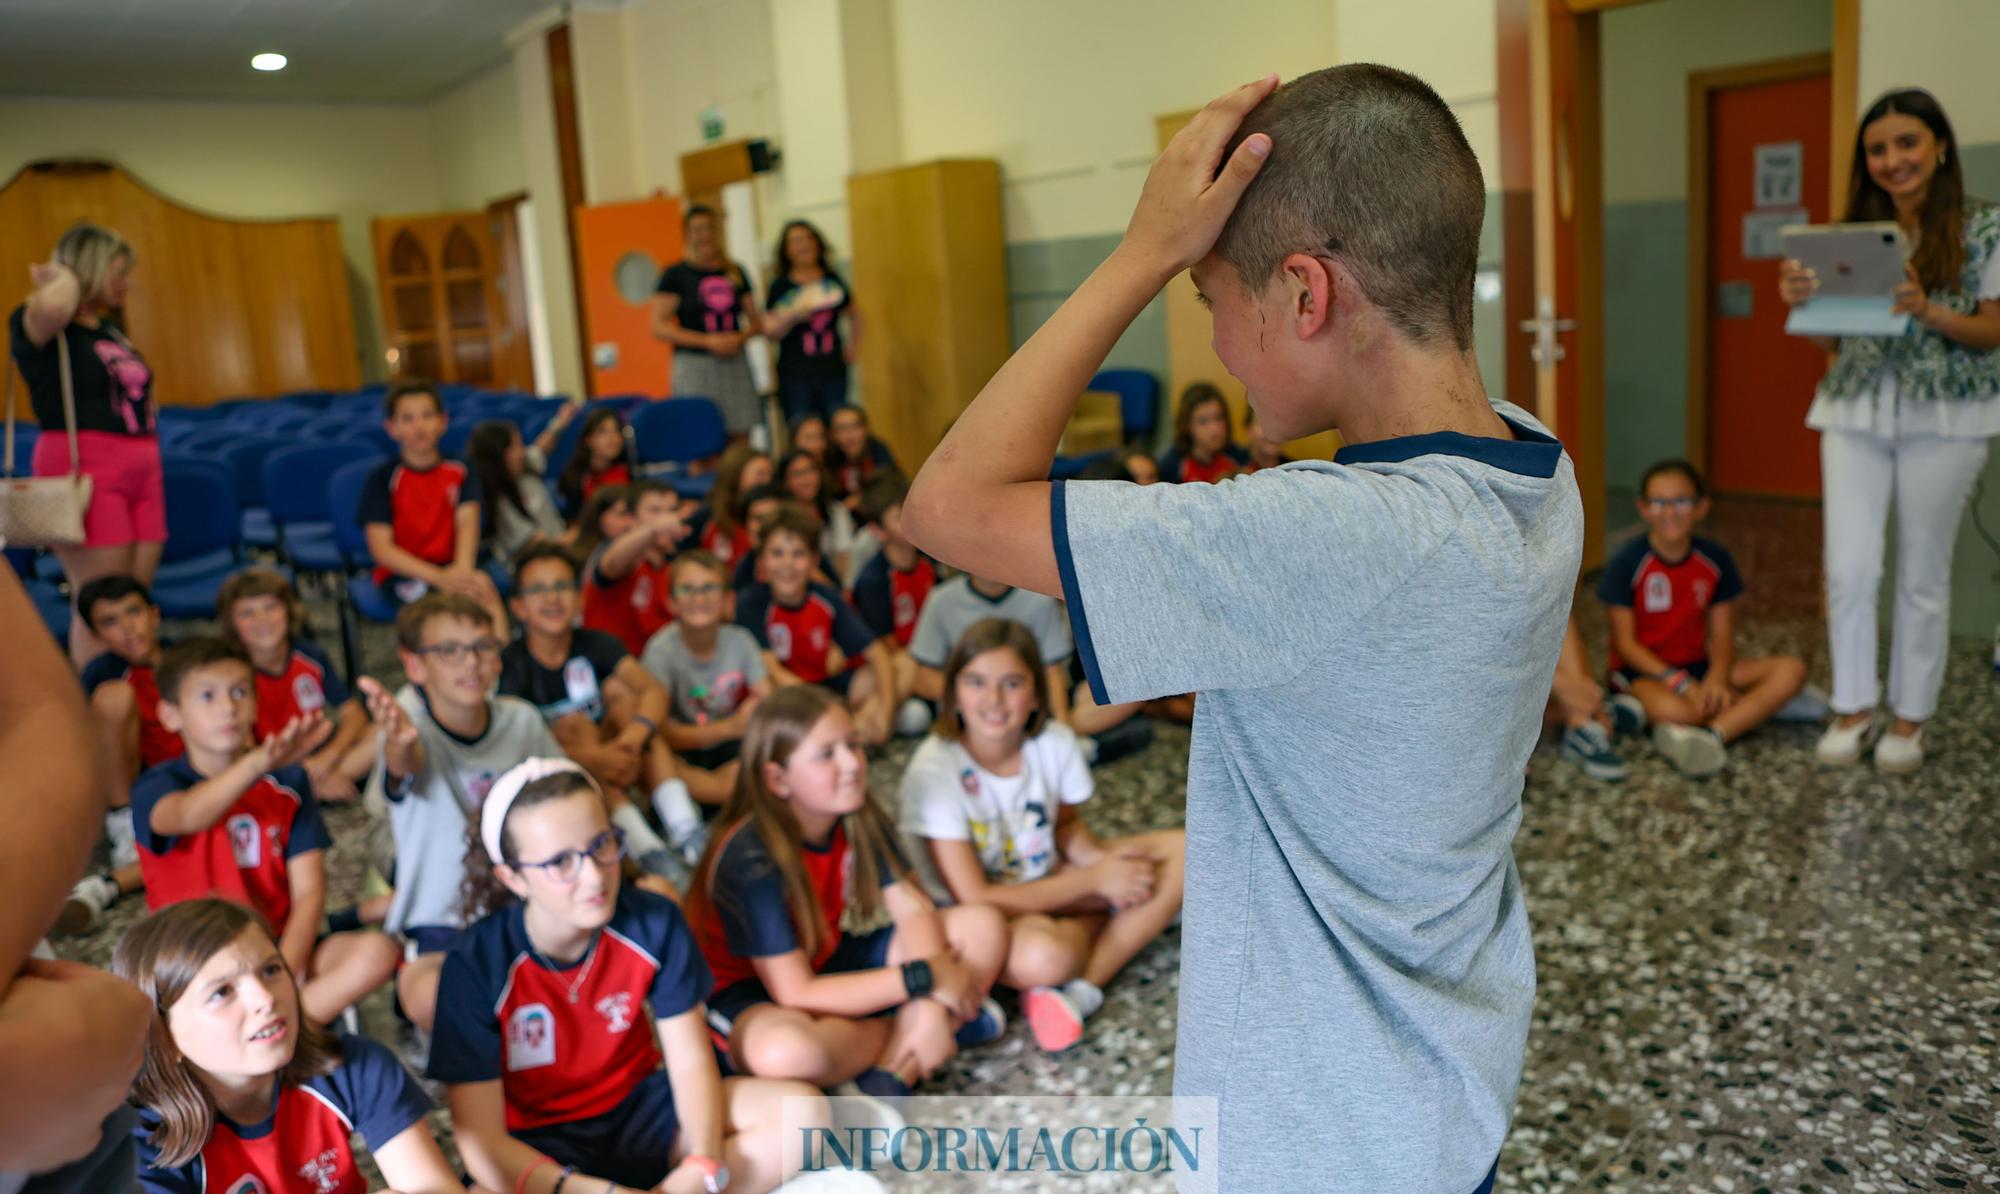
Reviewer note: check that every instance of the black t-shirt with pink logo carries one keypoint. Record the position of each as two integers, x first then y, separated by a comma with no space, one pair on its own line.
813,347
710,300
113,385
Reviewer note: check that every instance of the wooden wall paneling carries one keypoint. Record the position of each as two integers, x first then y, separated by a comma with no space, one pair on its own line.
219,307
930,263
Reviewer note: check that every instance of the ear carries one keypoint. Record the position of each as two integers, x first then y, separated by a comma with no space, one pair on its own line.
413,667
774,781
170,716
511,879
1310,288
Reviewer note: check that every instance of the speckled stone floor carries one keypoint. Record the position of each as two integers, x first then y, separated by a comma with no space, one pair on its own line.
1782,979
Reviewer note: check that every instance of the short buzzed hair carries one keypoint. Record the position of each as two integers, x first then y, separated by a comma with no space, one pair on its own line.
1370,168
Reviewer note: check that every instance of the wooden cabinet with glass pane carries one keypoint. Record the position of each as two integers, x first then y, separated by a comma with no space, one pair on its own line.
444,317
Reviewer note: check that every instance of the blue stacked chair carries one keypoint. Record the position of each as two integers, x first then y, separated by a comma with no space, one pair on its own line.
359,594
22,463
295,491
675,433
203,539
245,461
315,400
1138,400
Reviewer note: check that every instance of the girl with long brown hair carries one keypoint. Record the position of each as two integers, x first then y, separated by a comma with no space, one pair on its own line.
1904,419
789,905
239,1091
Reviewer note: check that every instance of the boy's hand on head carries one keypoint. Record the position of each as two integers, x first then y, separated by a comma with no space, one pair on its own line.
1190,190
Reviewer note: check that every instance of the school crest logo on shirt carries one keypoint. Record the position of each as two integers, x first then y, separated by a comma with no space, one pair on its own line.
531,1037
323,1172
617,1011
968,781
1702,589
905,609
308,695
1659,594
580,687
244,840
247,1184
642,592
781,640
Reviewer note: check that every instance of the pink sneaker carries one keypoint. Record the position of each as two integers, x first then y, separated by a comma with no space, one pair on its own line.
1054,1019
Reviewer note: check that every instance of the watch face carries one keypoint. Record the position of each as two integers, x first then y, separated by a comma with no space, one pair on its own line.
717,1181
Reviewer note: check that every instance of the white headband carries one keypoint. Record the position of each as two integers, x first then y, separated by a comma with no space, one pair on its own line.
501,797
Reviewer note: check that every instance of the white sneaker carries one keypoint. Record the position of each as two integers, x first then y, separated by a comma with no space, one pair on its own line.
833,1181
854,1109
87,902
118,827
1841,746
1899,755
1810,704
1695,751
913,718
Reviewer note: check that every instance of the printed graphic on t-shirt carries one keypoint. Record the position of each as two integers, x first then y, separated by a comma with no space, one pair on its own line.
323,1172
720,699
244,840
1659,595
129,376
580,687
531,1037
718,294
617,1011
308,695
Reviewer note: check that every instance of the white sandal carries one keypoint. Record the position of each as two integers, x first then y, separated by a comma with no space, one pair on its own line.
1841,746
1896,754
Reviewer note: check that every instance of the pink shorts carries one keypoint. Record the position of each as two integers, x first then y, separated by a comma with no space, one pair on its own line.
127,501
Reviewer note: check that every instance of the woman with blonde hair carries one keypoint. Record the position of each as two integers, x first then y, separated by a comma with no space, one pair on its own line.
79,294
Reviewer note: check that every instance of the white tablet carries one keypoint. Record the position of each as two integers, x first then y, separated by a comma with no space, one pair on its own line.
1851,260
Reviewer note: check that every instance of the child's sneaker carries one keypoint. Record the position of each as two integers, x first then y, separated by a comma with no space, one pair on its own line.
914,718
1589,747
1628,716
859,1104
86,903
1809,705
1695,751
118,827
1056,1022
983,1028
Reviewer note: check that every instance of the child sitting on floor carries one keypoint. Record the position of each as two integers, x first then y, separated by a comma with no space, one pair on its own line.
1202,449
624,576
715,672
260,611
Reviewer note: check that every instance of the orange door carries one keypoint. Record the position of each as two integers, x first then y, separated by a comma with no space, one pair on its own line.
1760,381
621,249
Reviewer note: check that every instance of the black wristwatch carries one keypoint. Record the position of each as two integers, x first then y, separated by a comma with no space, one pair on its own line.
916,979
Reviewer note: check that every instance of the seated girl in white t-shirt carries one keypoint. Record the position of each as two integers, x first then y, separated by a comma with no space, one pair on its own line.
991,800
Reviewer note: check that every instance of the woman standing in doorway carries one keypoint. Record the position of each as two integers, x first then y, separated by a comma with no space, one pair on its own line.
703,307
77,295
1904,419
806,302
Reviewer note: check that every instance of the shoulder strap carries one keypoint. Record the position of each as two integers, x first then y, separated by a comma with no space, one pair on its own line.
69,405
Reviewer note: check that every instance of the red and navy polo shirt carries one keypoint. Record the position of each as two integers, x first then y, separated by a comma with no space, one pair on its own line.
1175,466
420,506
802,636
889,599
1670,599
632,607
308,684
565,1043
728,547
750,916
307,1143
242,856
157,743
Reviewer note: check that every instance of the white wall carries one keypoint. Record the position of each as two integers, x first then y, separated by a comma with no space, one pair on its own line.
1450,44
476,128
1945,46
1648,52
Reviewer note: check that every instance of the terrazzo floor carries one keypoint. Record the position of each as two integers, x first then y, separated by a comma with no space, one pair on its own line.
1781,979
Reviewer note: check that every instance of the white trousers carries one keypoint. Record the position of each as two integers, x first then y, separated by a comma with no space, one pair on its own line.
1927,478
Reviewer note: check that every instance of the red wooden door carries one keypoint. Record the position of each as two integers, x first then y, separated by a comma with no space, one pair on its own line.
1760,381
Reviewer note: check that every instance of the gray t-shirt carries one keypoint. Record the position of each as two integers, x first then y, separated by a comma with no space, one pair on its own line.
954,607
705,690
1372,640
430,820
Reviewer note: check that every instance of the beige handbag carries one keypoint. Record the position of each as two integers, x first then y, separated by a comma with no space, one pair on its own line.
45,511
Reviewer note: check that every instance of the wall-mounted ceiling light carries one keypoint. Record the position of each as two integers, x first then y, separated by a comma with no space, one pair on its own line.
268,62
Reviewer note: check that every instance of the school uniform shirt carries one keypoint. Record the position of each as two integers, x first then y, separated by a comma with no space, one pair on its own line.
1372,638
306,1145
566,1042
308,684
890,599
802,636
242,856
955,607
157,743
705,300
1009,819
850,475
617,474
1176,467
631,608
420,506
749,916
1670,599
726,546
575,687
812,348
430,815
705,689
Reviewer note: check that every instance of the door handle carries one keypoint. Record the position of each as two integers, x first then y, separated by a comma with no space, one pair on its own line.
1547,351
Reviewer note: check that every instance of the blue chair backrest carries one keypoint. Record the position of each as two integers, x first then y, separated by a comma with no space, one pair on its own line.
295,479
202,515
24,451
678,430
245,460
1138,399
189,414
343,495
308,399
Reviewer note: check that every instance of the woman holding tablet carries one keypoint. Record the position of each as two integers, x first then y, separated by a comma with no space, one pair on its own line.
1904,418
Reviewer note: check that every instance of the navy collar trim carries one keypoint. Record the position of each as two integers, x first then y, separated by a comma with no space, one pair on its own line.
1530,454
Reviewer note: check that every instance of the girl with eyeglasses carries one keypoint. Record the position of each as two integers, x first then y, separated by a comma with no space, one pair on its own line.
1906,419
572,1039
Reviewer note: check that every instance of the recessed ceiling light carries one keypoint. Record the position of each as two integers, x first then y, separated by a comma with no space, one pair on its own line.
268,62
